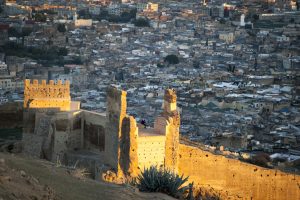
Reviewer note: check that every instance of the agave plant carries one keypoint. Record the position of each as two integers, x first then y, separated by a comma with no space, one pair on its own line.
161,180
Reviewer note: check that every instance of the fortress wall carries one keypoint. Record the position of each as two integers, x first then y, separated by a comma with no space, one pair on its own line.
94,118
129,147
115,112
65,138
11,115
93,128
151,151
74,137
45,95
172,117
236,179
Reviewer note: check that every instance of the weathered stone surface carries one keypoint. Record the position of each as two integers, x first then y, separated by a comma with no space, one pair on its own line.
62,124
172,118
94,136
170,96
32,145
236,179
11,115
115,113
129,147
47,95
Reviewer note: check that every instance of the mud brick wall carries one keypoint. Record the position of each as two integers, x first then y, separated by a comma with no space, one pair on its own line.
235,179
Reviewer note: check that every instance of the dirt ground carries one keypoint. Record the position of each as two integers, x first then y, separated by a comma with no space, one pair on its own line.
26,178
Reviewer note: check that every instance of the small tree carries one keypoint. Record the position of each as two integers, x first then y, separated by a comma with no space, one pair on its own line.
255,17
63,51
196,64
12,32
159,65
103,14
171,59
40,17
222,21
25,32
61,28
142,22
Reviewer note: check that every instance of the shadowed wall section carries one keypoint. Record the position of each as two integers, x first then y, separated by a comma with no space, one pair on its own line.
129,147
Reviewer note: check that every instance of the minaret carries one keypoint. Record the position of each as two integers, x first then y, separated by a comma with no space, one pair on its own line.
242,22
75,17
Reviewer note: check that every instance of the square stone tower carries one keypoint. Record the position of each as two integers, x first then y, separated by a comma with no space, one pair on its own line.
115,113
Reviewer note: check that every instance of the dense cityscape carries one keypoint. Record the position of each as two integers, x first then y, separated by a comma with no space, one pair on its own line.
235,65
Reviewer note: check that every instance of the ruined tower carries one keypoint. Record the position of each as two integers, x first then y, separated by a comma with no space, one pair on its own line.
129,147
172,123
115,113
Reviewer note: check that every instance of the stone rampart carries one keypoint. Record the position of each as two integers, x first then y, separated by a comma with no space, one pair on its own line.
235,179
47,95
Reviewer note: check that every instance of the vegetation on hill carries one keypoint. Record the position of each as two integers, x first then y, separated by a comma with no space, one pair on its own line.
155,180
141,22
40,17
52,55
61,28
27,178
171,59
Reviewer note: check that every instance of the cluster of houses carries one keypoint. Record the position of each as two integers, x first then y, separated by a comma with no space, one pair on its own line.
237,79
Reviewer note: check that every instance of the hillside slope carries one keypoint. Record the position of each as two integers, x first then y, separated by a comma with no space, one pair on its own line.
27,178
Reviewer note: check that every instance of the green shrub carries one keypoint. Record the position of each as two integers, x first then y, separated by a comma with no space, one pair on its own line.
154,180
142,22
171,59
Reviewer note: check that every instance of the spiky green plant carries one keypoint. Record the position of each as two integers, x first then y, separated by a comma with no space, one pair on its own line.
161,180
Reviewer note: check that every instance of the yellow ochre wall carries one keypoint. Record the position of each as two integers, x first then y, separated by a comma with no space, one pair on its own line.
47,95
236,179
151,151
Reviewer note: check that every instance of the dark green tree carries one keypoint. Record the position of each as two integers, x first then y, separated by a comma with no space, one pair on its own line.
103,14
159,65
39,17
142,22
196,64
13,32
84,14
61,28
255,17
171,59
63,51
222,21
114,18
26,32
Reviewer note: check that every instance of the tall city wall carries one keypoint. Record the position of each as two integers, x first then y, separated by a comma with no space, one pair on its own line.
235,179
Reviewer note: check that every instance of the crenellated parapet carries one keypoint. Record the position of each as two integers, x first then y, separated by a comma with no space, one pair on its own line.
47,95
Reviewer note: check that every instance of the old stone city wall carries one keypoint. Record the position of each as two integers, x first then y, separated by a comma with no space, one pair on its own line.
235,179
93,131
11,115
47,95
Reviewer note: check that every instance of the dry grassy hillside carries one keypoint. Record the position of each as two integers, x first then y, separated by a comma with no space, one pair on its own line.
27,178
